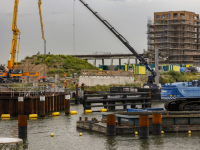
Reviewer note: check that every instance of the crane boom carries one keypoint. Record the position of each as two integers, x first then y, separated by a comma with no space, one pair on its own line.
16,33
41,22
124,41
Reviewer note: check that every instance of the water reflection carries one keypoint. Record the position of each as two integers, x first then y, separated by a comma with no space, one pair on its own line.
25,143
158,140
111,143
144,144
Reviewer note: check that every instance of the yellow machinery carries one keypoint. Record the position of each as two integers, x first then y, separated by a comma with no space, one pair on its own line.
41,22
13,72
31,74
16,35
16,38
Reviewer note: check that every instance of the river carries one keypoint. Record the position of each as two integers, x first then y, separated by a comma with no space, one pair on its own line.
66,136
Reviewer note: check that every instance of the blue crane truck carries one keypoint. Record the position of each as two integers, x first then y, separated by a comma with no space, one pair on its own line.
181,96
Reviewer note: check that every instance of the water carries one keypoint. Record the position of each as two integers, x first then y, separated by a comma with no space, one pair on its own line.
66,136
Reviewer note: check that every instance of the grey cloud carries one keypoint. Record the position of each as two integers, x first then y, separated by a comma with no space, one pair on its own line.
118,0
57,13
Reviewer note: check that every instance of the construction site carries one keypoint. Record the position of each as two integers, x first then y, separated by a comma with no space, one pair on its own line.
33,107
176,35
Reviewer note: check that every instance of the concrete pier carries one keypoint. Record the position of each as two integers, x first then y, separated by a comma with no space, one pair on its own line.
11,143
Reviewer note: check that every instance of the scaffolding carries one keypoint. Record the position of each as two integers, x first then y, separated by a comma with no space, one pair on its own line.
176,35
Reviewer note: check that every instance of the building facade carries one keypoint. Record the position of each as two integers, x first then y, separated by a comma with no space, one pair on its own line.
176,35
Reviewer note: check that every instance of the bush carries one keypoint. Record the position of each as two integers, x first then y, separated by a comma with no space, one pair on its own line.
40,56
61,75
55,66
37,62
48,59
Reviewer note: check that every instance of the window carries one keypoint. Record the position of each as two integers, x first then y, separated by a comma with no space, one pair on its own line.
163,39
159,33
163,27
158,40
163,16
163,34
157,16
175,15
168,15
182,15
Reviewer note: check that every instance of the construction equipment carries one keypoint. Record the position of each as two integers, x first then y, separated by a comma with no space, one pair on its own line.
181,96
13,72
41,22
10,71
126,43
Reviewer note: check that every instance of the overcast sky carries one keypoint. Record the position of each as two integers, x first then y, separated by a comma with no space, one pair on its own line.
129,17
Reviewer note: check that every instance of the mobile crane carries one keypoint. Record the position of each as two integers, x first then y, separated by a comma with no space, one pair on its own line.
41,22
126,43
13,72
10,71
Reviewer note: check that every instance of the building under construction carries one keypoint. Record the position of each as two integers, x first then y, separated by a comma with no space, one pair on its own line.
176,35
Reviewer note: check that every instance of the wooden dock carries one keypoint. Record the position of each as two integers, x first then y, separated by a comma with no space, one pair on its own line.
129,124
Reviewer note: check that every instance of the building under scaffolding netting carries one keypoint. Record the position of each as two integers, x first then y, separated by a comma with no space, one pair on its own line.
176,35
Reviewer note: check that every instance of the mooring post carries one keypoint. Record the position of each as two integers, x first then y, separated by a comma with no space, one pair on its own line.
67,104
157,120
22,126
111,124
144,126
42,106
22,119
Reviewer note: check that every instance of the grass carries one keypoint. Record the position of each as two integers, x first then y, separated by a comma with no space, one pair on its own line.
60,64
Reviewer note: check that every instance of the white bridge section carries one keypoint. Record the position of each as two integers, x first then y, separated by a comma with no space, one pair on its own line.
105,80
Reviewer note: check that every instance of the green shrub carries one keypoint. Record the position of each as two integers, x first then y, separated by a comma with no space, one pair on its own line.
55,66
40,56
37,62
61,75
48,59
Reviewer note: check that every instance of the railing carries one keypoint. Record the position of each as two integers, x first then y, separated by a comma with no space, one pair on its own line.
28,91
